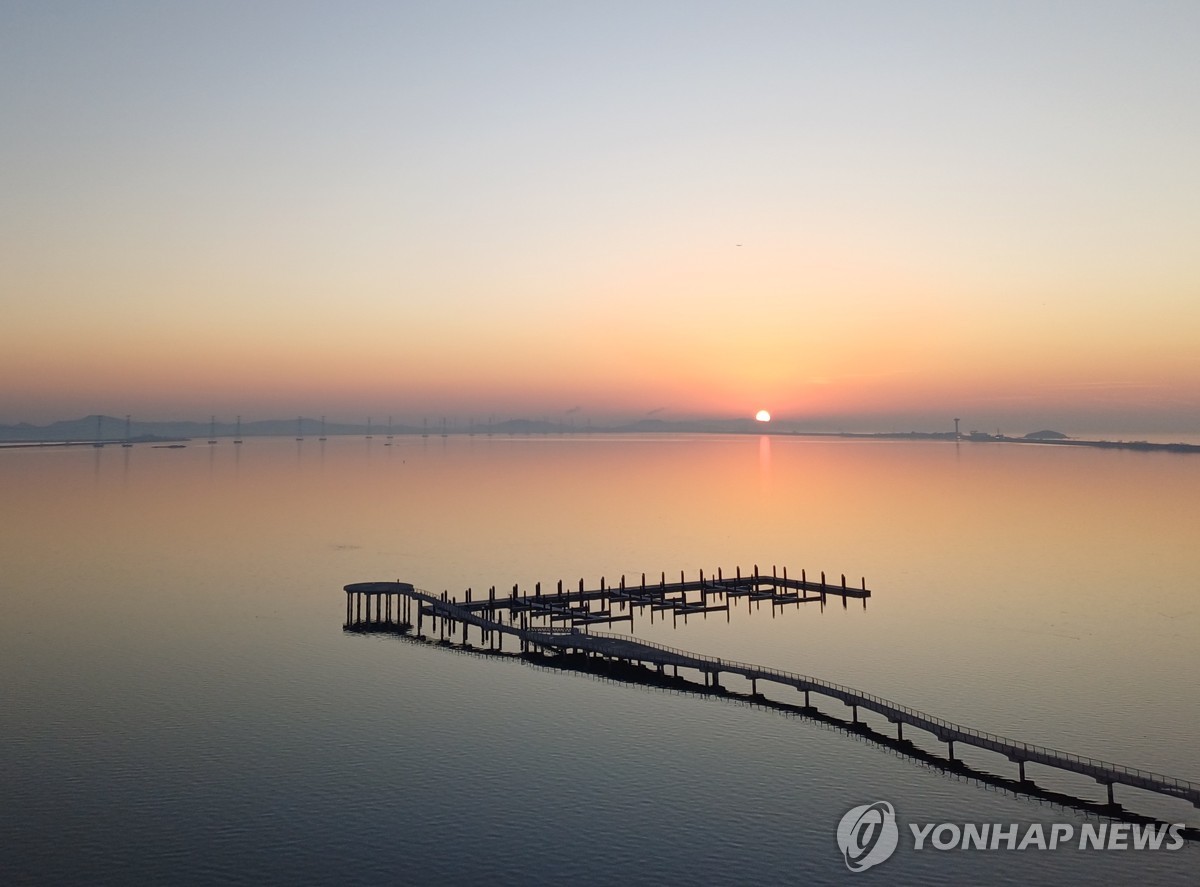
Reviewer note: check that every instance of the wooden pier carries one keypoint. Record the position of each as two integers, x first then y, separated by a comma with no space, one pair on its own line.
608,603
531,623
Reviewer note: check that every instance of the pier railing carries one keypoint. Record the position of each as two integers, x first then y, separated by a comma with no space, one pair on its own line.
993,741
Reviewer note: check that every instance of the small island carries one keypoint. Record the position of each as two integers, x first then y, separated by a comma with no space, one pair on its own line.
1046,435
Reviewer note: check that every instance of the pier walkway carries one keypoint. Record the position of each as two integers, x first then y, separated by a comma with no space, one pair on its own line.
447,615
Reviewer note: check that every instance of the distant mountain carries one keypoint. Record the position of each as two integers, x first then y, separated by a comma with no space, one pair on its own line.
111,428
693,426
94,427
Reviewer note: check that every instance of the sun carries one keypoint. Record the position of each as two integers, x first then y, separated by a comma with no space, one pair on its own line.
762,416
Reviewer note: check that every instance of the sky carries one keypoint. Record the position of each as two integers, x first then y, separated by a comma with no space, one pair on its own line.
857,215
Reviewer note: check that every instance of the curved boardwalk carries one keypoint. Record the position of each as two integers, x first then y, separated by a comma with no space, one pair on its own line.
620,647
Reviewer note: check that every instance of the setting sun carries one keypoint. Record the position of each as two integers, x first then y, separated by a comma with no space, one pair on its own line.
762,416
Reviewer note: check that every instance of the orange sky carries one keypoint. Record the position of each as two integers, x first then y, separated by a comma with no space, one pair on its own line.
854,222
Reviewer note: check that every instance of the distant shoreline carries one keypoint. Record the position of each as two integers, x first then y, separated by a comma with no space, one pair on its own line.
19,444
1140,445
944,436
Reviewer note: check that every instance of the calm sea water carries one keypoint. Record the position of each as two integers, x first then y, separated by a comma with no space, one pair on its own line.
181,705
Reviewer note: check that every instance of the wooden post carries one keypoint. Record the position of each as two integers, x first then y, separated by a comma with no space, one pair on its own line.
1021,769
900,730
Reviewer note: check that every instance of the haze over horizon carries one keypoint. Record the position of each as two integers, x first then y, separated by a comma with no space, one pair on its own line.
110,426
862,216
